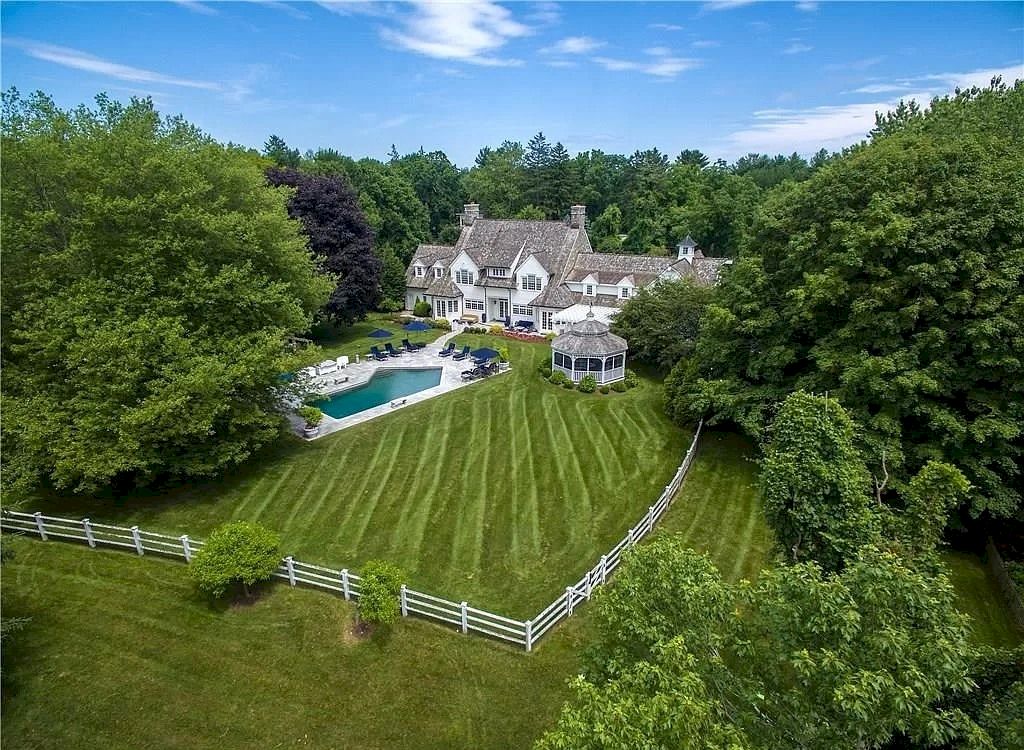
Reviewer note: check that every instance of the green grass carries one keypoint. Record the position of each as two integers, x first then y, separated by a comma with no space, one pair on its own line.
500,493
121,653
354,339
978,596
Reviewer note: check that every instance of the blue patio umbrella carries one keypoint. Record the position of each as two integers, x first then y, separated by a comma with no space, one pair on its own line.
380,333
483,354
416,325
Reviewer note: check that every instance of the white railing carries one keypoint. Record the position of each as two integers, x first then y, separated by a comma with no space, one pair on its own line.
347,584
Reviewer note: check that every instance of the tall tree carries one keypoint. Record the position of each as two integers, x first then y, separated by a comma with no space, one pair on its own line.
797,659
275,148
150,280
338,234
438,185
661,323
496,181
893,279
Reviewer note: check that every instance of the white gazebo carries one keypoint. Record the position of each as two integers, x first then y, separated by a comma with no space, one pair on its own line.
588,348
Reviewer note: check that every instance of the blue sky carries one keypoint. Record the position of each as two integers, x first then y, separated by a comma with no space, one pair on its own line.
726,77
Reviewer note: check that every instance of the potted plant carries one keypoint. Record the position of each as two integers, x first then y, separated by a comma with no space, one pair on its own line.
313,417
503,357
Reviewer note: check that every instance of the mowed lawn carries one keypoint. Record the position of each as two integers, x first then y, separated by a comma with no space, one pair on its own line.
120,652
354,339
500,493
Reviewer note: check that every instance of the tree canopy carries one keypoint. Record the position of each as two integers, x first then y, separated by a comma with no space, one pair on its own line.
891,278
150,279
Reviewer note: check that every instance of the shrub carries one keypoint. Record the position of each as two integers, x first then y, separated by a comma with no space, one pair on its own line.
421,309
311,414
619,386
604,389
496,330
241,552
503,353
389,305
559,378
475,329
587,384
379,592
443,323
631,380
544,368
568,384
550,335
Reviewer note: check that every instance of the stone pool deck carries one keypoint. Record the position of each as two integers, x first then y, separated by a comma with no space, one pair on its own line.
359,373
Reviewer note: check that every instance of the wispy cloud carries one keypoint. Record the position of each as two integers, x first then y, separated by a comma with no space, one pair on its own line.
574,45
468,32
78,60
546,14
561,63
663,64
835,126
880,88
796,48
197,7
862,64
806,6
288,8
726,4
705,44
665,26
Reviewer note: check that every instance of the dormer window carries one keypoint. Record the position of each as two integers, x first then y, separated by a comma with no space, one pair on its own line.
498,273
438,273
417,270
588,290
463,276
624,292
531,282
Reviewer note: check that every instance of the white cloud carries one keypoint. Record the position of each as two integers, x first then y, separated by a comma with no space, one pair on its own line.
561,64
546,14
806,6
796,48
574,45
658,51
288,8
665,26
726,4
706,43
806,130
467,32
862,64
663,66
71,58
197,7
880,88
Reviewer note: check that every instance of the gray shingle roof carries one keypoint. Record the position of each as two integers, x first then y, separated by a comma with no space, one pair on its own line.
444,287
428,255
589,338
610,268
492,242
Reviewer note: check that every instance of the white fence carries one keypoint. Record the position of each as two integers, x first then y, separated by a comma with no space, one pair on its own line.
460,614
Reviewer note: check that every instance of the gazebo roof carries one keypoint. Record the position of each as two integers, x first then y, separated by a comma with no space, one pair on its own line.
589,338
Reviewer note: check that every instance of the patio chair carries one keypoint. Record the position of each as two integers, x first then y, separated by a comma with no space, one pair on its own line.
392,352
411,347
377,355
448,350
471,374
463,354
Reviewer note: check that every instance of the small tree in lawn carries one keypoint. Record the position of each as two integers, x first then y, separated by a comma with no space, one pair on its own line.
378,593
237,552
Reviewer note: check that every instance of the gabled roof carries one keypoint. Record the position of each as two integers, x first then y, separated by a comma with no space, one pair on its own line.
610,268
428,255
444,287
493,242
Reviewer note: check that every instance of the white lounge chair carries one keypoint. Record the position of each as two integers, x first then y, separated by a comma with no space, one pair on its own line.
326,367
342,362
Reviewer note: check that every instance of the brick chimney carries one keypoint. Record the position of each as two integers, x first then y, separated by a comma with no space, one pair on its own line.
470,213
578,216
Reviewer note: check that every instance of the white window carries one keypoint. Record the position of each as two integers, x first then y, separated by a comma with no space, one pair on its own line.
463,276
417,270
498,273
545,320
588,290
438,273
474,304
624,292
532,282
453,306
521,310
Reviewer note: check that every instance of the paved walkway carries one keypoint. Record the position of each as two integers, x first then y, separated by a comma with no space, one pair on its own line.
358,374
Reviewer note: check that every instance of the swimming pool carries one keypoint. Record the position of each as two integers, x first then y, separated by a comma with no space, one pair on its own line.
383,386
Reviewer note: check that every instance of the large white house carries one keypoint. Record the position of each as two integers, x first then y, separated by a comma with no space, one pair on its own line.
545,272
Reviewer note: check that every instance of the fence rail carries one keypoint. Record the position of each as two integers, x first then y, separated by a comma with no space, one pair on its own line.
459,614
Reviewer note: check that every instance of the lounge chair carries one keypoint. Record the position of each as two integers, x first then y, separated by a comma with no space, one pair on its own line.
448,350
392,352
463,354
472,374
377,355
411,347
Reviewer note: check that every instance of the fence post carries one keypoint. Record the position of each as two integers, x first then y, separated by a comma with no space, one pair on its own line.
650,518
588,586
631,541
529,635
568,601
289,563
465,618
88,532
186,548
39,525
604,568
137,539
344,584
404,596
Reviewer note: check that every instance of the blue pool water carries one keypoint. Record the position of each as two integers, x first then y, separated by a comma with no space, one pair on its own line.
383,386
